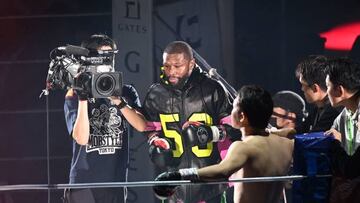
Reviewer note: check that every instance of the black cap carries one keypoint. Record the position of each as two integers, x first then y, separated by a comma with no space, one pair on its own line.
291,102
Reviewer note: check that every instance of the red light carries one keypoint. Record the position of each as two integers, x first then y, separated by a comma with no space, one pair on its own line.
341,37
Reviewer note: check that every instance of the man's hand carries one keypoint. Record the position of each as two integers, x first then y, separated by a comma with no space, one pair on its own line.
82,82
118,101
335,133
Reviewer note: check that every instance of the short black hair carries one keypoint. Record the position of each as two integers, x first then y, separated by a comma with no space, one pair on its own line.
345,72
178,47
312,70
257,105
98,40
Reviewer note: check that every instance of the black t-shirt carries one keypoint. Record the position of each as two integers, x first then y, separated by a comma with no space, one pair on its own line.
105,157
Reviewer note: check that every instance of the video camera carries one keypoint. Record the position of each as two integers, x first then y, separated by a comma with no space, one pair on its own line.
75,67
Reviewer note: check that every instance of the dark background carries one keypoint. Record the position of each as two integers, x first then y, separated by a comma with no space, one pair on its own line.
270,38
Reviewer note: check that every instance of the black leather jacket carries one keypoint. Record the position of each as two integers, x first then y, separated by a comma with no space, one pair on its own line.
201,99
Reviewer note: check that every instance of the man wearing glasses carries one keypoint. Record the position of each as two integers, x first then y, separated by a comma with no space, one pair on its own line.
289,110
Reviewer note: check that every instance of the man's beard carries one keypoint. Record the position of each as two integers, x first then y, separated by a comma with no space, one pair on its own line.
181,83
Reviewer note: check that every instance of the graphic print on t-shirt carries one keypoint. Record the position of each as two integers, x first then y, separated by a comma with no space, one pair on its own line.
105,130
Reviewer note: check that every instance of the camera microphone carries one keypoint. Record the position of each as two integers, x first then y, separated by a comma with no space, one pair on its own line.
74,50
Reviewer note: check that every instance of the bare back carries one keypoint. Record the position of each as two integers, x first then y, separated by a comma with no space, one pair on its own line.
269,156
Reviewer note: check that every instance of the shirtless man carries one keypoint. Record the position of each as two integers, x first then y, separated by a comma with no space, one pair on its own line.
259,154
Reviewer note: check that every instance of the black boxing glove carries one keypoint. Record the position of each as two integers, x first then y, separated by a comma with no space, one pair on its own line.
165,191
159,150
82,83
199,133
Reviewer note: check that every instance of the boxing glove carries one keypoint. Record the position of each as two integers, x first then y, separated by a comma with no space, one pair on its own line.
165,191
159,150
200,134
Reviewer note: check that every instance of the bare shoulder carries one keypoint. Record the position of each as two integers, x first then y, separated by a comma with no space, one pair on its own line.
281,141
238,144
240,147
251,144
284,132
250,140
273,140
276,137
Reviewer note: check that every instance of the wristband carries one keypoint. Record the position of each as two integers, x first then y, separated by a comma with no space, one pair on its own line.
219,133
122,104
189,174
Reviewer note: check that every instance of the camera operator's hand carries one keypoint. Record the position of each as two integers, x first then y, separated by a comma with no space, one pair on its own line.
82,83
120,102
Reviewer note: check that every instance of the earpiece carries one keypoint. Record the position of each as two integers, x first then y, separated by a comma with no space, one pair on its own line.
163,77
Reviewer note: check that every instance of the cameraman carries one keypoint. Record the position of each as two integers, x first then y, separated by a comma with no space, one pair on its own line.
99,128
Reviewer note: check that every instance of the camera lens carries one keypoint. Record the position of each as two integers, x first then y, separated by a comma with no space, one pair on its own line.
105,84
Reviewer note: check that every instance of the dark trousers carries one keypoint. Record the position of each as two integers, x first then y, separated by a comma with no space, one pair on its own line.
345,190
98,195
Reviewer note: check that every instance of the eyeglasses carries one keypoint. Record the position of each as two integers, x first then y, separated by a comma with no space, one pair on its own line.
283,116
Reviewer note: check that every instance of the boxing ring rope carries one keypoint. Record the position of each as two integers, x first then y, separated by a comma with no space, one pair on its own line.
151,183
